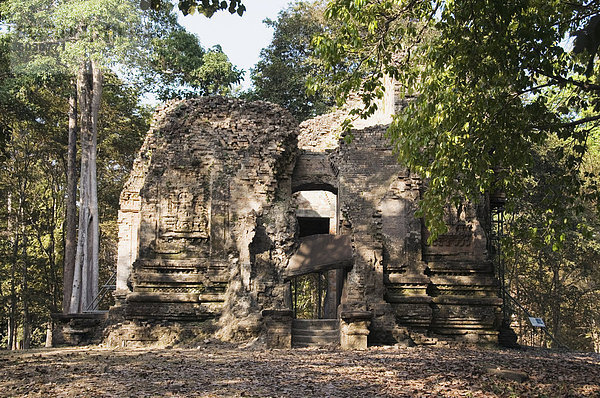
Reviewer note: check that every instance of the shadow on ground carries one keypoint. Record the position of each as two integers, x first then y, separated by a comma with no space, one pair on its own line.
217,370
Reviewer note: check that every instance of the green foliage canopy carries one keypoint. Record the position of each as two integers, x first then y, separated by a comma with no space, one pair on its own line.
288,62
560,286
209,7
181,68
485,82
56,36
217,74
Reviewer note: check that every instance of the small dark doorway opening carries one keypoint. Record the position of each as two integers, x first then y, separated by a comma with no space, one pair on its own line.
312,226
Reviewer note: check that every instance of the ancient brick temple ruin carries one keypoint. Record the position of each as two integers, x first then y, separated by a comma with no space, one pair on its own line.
236,216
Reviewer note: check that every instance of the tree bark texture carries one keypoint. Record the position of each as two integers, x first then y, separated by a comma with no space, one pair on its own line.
71,207
26,330
85,275
49,327
12,320
557,299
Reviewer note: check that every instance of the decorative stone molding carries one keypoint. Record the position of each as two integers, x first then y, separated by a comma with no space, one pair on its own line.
354,329
78,329
208,231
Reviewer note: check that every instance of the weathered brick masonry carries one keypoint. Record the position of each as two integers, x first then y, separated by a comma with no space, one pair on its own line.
208,226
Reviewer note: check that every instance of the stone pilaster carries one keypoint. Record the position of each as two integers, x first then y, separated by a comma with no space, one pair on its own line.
278,328
354,329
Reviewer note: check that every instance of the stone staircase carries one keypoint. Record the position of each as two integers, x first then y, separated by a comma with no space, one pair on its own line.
315,332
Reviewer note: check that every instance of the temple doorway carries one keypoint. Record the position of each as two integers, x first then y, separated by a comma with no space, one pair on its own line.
316,292
309,296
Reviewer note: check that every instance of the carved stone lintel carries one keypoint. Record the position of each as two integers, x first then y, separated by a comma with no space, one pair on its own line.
356,315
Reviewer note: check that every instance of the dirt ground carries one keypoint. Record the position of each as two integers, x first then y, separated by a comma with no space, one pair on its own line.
218,370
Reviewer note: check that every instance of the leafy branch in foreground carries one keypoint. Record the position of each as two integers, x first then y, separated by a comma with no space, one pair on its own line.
486,82
209,7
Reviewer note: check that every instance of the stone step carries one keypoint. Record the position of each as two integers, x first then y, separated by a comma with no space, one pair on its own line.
315,332
315,340
421,339
315,324
427,341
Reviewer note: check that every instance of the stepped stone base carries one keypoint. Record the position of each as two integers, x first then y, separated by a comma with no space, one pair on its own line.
78,329
158,334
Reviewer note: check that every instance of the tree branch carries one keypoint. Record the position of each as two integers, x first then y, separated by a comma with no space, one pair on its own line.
577,122
583,85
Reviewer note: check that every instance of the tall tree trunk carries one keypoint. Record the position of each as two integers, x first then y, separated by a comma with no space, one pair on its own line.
556,302
53,288
12,326
85,276
49,327
25,288
25,274
98,80
595,336
71,208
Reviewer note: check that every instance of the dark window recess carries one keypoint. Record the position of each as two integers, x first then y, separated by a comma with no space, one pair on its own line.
313,226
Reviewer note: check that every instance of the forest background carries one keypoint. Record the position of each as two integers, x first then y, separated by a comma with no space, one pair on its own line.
540,125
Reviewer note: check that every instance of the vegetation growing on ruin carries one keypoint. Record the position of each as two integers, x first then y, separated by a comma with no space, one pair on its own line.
501,96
